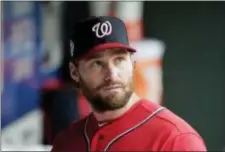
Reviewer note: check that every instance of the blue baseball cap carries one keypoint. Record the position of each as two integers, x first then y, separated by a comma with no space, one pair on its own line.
98,34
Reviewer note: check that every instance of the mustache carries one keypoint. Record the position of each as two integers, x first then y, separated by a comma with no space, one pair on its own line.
109,84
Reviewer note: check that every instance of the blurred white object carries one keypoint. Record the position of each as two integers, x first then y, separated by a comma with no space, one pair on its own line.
52,44
148,68
123,10
27,130
99,8
149,49
26,148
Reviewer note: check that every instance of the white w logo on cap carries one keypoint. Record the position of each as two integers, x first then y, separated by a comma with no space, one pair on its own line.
102,29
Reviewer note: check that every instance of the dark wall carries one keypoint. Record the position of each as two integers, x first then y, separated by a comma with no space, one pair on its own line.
72,13
194,73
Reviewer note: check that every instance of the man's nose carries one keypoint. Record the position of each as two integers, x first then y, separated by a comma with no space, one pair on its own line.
111,73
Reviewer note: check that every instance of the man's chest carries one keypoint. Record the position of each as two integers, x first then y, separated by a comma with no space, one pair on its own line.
132,141
137,140
137,134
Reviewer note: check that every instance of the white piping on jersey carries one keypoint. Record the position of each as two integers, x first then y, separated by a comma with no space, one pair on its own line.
123,133
86,136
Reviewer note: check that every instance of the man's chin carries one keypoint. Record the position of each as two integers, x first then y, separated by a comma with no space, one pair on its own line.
109,102
111,95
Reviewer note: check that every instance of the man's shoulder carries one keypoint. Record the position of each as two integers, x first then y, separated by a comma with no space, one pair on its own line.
166,119
170,130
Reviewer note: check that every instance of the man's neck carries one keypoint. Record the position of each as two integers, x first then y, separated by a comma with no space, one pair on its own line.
110,115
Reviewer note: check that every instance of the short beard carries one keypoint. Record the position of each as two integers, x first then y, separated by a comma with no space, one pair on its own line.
109,103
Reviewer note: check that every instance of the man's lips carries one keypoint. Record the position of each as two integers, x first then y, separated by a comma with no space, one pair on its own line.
112,87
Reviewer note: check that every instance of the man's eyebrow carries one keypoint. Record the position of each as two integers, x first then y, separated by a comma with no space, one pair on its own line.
119,52
95,56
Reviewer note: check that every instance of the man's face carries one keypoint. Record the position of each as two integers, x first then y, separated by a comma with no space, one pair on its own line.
106,79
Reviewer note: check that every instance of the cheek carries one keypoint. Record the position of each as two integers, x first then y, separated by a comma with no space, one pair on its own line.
91,79
126,73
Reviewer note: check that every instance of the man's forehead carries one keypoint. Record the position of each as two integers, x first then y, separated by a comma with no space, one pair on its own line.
107,52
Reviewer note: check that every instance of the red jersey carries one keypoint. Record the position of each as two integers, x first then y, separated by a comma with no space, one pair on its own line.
145,127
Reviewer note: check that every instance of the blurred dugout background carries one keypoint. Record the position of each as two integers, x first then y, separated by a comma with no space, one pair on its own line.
180,59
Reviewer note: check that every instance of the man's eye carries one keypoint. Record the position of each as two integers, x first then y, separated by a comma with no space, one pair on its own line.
96,64
119,59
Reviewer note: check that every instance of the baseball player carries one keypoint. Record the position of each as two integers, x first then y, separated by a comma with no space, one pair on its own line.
102,69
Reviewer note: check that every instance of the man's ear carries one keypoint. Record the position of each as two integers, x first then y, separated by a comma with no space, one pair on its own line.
74,72
133,60
134,64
